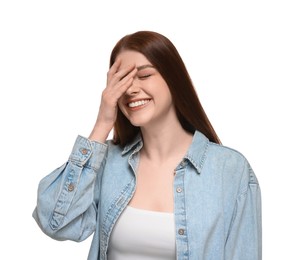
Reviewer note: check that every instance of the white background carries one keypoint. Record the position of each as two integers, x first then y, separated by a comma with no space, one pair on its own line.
243,57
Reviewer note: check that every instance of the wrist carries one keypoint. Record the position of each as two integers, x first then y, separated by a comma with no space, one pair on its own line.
100,132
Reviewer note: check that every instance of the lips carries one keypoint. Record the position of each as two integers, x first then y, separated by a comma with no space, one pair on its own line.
138,103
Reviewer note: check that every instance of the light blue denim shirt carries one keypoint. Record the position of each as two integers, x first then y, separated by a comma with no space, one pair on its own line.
217,203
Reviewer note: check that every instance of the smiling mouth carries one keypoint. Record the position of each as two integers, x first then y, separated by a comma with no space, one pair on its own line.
138,103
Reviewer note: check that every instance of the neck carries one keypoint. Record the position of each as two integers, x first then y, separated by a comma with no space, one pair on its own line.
165,141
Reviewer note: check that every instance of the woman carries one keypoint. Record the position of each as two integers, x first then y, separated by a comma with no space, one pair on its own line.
164,187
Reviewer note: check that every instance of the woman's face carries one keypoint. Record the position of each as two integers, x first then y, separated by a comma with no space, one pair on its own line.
147,102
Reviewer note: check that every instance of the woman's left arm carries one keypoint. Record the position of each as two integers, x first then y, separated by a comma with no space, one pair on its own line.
244,240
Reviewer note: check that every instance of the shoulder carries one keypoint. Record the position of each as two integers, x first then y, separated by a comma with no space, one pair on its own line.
222,152
231,162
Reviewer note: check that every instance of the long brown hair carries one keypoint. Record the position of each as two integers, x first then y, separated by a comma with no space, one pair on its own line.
163,55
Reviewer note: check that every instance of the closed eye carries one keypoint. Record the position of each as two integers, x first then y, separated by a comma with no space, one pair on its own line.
144,76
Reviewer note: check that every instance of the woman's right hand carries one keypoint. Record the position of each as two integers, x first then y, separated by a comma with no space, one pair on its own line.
118,81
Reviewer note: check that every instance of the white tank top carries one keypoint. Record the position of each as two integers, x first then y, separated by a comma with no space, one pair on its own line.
143,235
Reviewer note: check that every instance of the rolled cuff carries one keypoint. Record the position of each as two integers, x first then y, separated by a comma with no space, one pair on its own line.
88,153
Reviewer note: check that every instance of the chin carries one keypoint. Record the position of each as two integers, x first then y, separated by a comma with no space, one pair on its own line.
139,122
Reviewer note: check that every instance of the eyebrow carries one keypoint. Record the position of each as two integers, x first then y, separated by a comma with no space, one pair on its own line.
144,67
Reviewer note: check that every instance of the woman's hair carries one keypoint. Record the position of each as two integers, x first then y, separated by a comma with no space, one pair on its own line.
163,55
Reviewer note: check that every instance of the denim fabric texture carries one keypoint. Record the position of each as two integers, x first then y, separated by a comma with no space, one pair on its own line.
217,199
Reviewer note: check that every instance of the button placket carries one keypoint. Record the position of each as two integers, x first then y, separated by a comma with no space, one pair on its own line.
180,210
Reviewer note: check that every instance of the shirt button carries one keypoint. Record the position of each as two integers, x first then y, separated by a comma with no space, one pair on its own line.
179,189
181,231
84,151
71,187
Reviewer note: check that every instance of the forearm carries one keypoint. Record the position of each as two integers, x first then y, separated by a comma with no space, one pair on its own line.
100,132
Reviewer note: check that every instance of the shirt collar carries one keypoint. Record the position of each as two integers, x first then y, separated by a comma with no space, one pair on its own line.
196,153
136,142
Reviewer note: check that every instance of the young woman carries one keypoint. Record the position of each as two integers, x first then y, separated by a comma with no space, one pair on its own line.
164,187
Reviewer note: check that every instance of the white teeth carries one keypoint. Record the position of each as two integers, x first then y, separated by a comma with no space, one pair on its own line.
138,103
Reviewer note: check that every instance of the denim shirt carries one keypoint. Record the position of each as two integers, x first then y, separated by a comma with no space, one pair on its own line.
217,204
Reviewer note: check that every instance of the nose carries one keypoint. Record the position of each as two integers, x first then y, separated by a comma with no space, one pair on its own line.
134,88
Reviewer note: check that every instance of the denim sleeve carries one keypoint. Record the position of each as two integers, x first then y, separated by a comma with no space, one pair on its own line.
244,240
66,208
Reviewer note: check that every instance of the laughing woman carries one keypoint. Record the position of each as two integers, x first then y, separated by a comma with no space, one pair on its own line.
163,187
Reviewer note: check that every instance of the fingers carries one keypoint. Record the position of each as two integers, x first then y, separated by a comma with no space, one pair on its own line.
119,80
117,73
124,83
114,68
